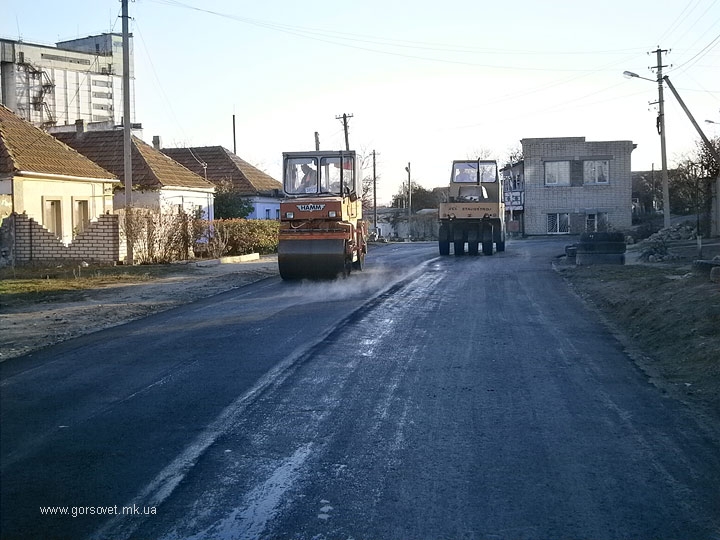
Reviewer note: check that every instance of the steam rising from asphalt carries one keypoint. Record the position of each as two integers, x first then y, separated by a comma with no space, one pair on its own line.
357,285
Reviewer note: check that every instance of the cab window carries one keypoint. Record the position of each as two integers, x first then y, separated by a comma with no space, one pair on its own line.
331,172
301,176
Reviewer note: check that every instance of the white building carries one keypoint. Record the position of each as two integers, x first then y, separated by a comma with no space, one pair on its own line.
80,79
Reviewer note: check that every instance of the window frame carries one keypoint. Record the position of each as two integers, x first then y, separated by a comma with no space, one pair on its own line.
558,222
81,215
557,173
53,216
592,178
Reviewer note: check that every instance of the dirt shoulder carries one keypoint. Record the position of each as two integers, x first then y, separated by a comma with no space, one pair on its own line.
30,325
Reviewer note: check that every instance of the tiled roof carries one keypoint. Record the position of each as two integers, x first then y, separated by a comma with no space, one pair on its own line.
23,147
224,165
151,169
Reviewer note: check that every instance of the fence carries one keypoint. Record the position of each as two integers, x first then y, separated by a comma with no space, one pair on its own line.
23,241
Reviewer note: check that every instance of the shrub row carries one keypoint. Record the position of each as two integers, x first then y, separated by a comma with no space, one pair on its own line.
243,236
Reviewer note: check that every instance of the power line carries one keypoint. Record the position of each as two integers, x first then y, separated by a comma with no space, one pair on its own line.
677,21
331,37
706,49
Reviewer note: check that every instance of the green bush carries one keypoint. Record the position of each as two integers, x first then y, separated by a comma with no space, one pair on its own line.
243,236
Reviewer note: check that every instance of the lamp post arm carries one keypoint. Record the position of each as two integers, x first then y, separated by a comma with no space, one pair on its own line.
710,147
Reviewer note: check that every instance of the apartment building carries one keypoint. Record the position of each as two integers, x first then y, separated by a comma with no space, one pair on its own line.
79,79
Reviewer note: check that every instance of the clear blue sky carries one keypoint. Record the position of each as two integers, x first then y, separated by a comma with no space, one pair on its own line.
426,82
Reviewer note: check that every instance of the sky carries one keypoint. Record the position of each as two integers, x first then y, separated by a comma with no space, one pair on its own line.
426,82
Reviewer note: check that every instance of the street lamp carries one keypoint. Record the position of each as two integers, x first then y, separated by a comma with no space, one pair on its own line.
661,128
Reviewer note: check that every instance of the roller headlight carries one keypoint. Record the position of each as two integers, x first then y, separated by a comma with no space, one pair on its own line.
332,213
289,215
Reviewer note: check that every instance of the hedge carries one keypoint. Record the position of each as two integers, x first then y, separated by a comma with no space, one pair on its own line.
243,236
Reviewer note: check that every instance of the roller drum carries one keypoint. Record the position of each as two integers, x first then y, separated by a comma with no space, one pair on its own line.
312,259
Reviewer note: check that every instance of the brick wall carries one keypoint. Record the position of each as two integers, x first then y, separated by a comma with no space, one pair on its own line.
25,241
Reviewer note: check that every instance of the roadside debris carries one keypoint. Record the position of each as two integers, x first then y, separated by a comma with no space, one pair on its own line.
656,248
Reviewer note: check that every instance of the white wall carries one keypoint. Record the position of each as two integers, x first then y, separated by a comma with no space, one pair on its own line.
30,195
168,197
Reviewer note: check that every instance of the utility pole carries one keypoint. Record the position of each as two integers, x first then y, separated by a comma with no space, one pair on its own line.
344,119
409,198
317,141
661,129
127,134
234,138
708,145
374,195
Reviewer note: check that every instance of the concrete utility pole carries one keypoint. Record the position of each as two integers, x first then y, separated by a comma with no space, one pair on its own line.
710,148
409,192
344,118
317,141
661,129
374,195
127,133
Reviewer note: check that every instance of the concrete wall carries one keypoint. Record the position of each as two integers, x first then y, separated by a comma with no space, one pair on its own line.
613,198
24,241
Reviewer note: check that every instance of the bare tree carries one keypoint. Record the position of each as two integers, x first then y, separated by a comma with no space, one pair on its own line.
480,153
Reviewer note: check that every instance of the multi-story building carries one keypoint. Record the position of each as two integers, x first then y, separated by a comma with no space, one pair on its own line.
79,79
573,186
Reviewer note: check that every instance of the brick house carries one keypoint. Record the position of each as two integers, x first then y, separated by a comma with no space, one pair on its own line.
572,185
52,199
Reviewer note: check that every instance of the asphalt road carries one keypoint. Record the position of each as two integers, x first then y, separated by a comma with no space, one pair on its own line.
426,398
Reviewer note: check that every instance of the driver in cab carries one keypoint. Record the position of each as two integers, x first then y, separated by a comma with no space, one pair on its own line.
308,182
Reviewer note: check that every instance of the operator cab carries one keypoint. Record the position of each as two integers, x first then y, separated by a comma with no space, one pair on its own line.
471,179
319,174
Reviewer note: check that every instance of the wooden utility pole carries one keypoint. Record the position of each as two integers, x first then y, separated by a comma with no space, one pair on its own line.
344,119
234,138
127,133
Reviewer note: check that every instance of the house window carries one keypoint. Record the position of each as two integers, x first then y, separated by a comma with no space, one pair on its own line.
596,172
277,213
596,222
517,182
52,217
558,223
267,213
81,216
557,173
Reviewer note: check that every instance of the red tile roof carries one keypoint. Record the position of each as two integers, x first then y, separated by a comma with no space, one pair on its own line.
151,169
24,147
223,165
